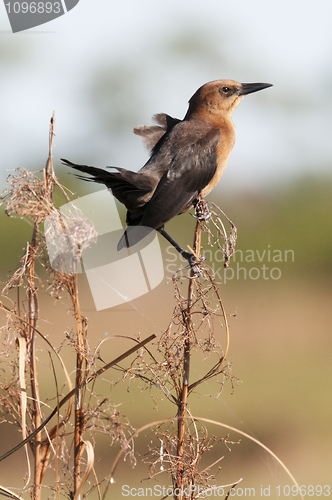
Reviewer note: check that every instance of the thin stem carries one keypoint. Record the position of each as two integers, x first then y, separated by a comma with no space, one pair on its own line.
79,417
182,404
33,317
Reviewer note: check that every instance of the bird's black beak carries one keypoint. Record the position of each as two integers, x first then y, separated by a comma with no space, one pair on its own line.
249,88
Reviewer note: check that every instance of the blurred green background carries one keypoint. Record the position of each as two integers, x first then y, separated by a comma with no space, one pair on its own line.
107,68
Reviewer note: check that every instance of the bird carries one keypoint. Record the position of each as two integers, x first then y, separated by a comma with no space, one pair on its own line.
187,160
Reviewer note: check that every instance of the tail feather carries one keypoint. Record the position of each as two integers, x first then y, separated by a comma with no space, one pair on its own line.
133,189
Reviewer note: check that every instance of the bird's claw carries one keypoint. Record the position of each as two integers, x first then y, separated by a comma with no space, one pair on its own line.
195,267
194,263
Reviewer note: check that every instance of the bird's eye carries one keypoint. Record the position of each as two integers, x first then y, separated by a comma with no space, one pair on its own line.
225,90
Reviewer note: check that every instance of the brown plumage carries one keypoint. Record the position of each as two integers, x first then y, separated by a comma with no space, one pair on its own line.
188,158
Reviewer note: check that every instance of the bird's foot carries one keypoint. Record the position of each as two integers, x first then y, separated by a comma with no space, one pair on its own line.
194,263
202,211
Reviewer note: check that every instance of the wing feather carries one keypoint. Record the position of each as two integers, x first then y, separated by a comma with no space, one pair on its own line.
191,169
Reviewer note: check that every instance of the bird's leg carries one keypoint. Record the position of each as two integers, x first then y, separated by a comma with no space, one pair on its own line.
190,257
202,211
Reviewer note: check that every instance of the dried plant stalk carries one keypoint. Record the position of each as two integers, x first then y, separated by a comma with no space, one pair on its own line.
182,404
31,197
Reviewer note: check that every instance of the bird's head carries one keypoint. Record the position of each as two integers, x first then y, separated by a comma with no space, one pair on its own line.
218,99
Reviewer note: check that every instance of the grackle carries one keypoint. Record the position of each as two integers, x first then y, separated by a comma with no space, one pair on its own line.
187,160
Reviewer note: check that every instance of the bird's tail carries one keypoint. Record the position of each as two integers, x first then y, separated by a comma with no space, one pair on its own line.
97,174
133,189
130,189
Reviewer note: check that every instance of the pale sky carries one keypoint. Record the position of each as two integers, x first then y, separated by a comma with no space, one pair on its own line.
166,50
